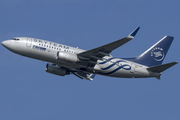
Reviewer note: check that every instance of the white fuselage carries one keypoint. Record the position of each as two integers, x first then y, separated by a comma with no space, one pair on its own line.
47,51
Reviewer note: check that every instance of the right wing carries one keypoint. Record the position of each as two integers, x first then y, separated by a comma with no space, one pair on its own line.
83,75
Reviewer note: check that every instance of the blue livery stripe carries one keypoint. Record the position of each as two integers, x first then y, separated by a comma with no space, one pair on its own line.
112,65
123,67
107,60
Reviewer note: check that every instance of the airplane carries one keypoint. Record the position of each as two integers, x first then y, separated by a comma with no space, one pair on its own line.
64,60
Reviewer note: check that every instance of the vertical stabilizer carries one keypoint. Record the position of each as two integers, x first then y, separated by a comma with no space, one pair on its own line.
155,55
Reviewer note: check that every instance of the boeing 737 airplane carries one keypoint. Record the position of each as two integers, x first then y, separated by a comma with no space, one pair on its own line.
64,60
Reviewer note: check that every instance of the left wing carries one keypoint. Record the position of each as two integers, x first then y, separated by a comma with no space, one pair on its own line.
98,53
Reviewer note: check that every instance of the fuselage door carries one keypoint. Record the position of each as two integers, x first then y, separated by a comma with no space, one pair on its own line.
29,42
132,68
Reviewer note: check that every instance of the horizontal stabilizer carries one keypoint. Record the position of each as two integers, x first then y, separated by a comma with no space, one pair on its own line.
161,68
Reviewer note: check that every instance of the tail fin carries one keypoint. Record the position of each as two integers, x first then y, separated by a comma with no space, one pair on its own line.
155,55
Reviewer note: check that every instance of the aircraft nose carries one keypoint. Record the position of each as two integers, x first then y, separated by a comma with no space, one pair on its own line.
6,43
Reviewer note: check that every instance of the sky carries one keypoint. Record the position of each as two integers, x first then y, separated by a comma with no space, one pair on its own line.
27,92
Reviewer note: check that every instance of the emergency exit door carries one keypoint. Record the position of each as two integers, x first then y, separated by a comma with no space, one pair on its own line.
29,42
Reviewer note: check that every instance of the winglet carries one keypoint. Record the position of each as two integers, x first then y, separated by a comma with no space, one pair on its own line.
91,76
83,75
134,32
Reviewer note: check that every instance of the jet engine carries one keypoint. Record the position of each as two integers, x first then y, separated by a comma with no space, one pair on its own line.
67,57
54,69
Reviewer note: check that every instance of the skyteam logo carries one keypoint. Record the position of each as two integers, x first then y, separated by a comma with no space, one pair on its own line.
157,53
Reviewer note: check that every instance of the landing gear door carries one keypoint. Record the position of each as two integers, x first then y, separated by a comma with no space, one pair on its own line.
29,42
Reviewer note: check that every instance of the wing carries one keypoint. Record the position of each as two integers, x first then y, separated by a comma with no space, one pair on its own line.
98,53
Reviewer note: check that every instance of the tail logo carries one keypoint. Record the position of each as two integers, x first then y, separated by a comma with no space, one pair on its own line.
157,53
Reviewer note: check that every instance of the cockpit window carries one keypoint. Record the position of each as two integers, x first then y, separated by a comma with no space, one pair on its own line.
15,39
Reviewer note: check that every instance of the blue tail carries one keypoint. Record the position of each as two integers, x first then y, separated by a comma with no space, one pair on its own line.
154,55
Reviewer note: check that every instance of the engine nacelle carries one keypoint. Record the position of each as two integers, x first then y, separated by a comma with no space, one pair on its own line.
54,69
67,57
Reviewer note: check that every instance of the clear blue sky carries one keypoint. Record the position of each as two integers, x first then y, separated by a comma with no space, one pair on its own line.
27,92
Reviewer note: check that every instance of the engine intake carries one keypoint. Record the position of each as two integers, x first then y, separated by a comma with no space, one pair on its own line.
67,57
54,69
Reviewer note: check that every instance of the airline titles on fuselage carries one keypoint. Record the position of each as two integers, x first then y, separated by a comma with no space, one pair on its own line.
44,45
